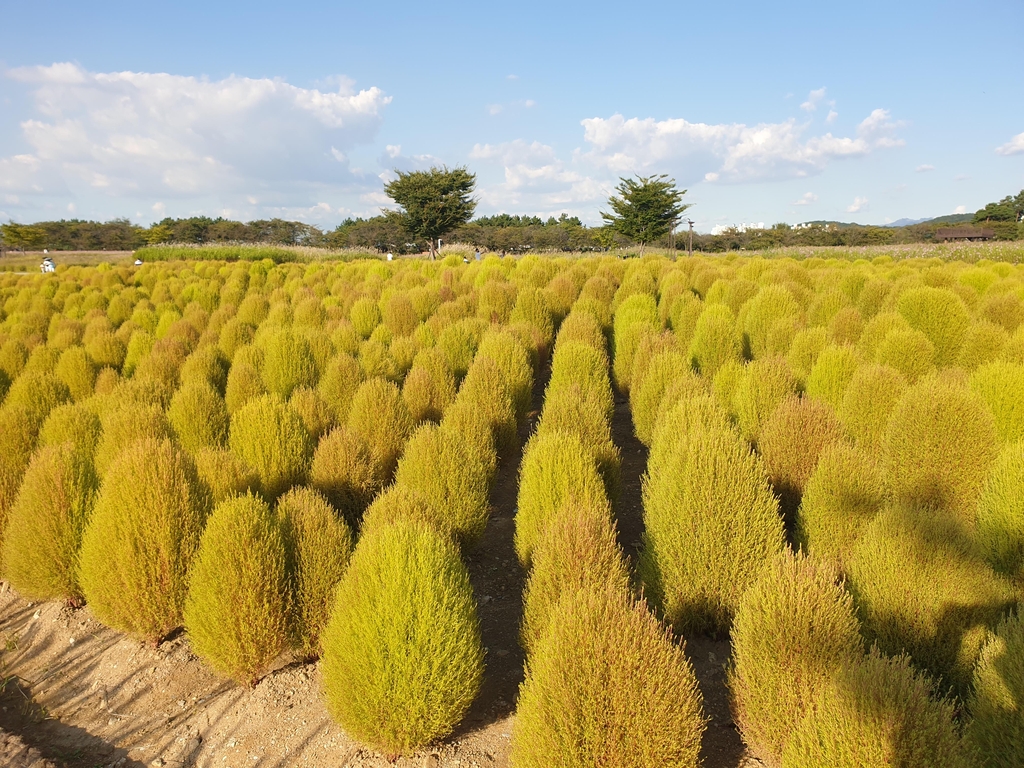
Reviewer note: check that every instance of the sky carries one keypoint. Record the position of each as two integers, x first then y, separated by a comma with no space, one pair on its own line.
784,112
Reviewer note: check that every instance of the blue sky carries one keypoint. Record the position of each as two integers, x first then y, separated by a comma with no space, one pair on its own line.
789,112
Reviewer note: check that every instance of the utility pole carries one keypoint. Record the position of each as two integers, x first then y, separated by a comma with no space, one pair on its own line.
690,222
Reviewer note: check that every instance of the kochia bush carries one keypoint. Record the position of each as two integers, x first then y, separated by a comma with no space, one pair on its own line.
792,439
380,416
343,470
941,316
831,374
996,728
199,416
715,340
269,438
870,397
1001,512
999,385
636,316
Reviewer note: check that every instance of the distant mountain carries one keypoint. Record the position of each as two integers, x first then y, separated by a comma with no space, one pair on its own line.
953,218
906,222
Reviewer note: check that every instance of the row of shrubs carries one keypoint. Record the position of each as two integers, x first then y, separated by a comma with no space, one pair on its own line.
897,479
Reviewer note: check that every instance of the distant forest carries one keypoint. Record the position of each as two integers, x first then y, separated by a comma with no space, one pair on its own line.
501,233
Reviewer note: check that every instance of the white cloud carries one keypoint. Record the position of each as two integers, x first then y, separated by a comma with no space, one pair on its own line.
1014,146
147,135
924,168
832,116
858,204
813,99
961,177
807,199
512,77
960,209
529,103
494,109
735,152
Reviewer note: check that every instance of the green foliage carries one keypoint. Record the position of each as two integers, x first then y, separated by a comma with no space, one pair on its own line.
344,471
586,366
317,416
908,351
339,383
532,310
557,471
73,423
794,630
365,316
803,352
996,727
872,394
999,385
402,656
983,343
772,308
676,422
269,438
763,384
45,526
244,384
486,389
440,466
433,202
77,372
514,364
380,417
793,438
646,399
199,416
123,425
458,342
319,546
1001,512
940,315
428,389
938,447
223,473
607,686
288,363
715,340
138,547
37,394
236,613
636,316
645,209
464,419
712,525
831,375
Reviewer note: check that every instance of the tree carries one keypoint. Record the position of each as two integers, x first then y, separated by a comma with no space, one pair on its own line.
434,202
646,208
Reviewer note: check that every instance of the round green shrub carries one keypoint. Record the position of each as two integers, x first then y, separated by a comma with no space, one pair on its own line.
365,316
380,417
921,588
236,613
37,394
486,389
77,372
441,467
233,335
577,363
773,306
998,384
684,313
793,630
402,657
458,342
269,437
513,362
764,384
105,349
532,309
842,497
317,416
400,502
908,351
399,314
938,447
557,471
803,352
846,326
223,473
73,423
288,363
464,419
208,365
792,440
712,526
715,340
45,525
579,550
877,712
870,397
581,327
18,432
983,343
677,422
199,416
244,384
941,316
319,546
138,547
339,383
646,396
125,424
831,375
996,728
651,345
635,317
343,470
1001,511
425,395
607,686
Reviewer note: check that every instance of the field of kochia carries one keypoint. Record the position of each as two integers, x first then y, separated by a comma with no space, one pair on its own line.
295,459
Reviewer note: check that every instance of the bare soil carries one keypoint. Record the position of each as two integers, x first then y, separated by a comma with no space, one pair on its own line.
78,694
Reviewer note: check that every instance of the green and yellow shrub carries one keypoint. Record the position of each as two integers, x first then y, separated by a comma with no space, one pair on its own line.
760,318
402,657
381,418
646,397
365,316
635,317
792,440
224,474
317,416
581,327
244,384
803,352
513,362
1001,512
831,375
996,728
607,685
288,363
485,389
269,438
763,385
77,372
236,613
199,416
999,385
794,629
699,411
73,423
941,316
465,420
870,398
37,394
45,525
339,383
716,341
343,470
585,366
908,351
138,547
983,343
123,425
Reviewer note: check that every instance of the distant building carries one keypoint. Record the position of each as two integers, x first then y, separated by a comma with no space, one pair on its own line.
964,233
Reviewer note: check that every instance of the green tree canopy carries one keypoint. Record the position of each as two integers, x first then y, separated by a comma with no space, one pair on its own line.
434,202
1010,208
646,208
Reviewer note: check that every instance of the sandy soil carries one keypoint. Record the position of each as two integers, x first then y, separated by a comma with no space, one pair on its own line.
83,695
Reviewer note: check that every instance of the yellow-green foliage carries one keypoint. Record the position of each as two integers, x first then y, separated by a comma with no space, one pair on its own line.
922,588
458,343
764,384
428,391
983,343
1000,385
651,345
877,713
288,363
1001,511
399,502
123,425
317,416
794,630
846,326
199,416
645,398
684,313
938,447
532,309
715,341
380,417
712,525
831,374
762,316
18,433
941,316
557,471
233,335
399,314
578,550
677,421
441,467
581,327
792,439
466,420
996,727
319,546
138,547
365,316
402,657
77,372
269,438
908,351
224,473
804,351
105,349
635,317
244,384
577,363
607,686
514,364
870,397
207,364
343,470
339,384
843,496
139,346
73,423
236,614
485,389
497,299
37,394
45,525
